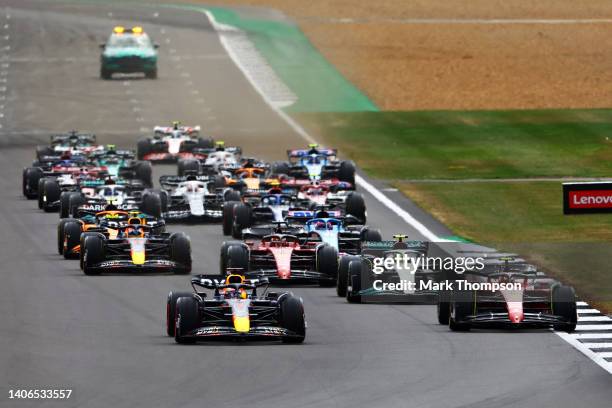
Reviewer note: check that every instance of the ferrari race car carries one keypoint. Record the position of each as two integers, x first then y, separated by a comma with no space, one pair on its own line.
315,164
194,198
172,143
359,281
217,159
235,311
507,294
135,248
128,50
282,258
108,222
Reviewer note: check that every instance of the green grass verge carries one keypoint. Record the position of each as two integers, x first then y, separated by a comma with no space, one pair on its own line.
526,217
522,217
459,145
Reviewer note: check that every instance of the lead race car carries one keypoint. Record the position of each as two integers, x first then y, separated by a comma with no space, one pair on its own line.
507,294
171,143
235,311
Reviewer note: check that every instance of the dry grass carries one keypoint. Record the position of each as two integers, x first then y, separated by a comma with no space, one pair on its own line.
448,66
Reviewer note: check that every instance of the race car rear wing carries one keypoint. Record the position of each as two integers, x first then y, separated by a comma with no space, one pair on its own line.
381,246
173,181
81,138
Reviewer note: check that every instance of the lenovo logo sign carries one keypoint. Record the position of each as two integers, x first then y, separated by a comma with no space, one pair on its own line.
584,198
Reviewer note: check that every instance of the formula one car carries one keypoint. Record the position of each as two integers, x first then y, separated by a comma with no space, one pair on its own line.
527,299
359,281
135,248
121,163
282,258
217,159
48,184
107,222
172,143
315,164
194,198
94,195
234,311
128,50
255,209
71,143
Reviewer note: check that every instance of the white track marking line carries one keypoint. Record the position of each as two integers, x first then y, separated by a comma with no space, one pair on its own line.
582,304
586,327
594,335
593,319
585,311
227,45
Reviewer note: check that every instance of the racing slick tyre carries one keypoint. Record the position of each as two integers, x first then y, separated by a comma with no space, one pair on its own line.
60,235
564,304
40,193
171,310
105,74
292,318
152,74
243,218
327,264
180,252
42,151
342,280
144,172
228,217
71,235
219,181
231,195
51,194
354,281
461,305
371,235
279,168
187,319
143,148
237,257
223,255
443,307
163,196
355,206
185,166
92,253
74,202
203,143
151,205
347,172
31,175
64,207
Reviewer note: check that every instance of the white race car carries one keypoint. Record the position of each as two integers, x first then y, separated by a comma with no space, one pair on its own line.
171,143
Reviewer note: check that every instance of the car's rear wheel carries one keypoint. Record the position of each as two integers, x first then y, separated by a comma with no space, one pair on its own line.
31,175
71,236
92,253
224,255
461,305
353,290
347,172
152,74
180,252
171,310
186,166
228,217
327,264
443,307
143,147
342,281
105,74
151,205
187,319
564,305
243,218
51,194
237,257
292,318
74,202
144,172
371,235
355,206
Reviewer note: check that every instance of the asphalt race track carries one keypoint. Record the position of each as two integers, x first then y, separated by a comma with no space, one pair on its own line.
104,336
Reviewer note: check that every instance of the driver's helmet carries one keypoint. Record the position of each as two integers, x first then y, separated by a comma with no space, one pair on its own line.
111,149
319,224
219,146
176,124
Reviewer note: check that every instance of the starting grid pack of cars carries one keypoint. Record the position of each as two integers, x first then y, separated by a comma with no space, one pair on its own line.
295,221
